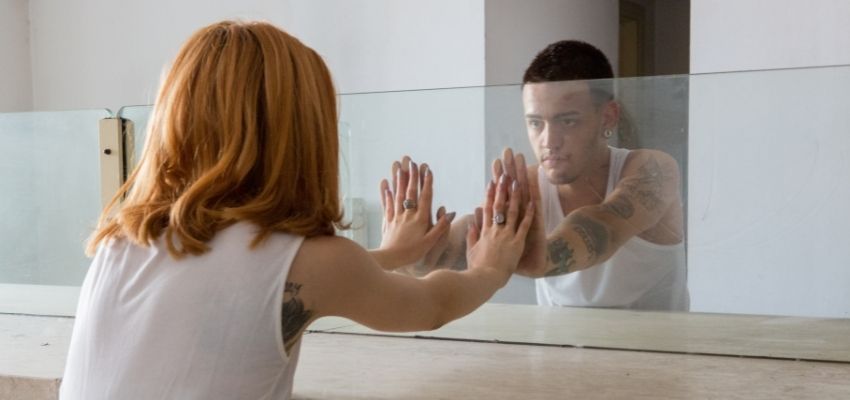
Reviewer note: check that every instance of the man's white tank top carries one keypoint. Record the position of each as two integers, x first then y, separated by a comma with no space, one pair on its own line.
640,275
203,327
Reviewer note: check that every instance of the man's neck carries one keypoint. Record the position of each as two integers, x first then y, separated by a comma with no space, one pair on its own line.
590,187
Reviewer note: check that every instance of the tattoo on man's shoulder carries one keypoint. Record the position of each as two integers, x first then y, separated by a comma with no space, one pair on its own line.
593,233
621,207
294,316
646,188
561,255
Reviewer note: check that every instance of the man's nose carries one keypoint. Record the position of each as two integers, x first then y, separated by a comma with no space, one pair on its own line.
549,137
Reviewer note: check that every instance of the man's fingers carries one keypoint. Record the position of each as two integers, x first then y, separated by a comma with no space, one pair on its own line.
508,160
472,235
394,173
440,229
387,200
513,206
525,225
522,178
497,169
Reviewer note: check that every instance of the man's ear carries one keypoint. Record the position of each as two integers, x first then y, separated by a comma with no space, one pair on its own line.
610,114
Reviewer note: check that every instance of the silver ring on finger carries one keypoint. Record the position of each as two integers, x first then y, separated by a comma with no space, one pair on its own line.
499,218
408,204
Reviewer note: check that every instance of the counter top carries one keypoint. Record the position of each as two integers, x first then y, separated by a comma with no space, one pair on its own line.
510,351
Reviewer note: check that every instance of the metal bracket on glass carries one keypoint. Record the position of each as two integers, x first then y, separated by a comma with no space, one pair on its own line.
111,158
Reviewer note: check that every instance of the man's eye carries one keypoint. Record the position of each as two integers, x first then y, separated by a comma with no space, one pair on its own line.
534,123
569,122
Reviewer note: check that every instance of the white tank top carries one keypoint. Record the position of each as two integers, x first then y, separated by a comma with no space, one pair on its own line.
640,275
204,327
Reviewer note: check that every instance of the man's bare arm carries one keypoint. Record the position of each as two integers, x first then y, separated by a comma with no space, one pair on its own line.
591,235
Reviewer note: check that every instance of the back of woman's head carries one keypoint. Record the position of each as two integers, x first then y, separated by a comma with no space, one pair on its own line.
243,129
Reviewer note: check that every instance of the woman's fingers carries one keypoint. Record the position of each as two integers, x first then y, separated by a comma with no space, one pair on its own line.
423,169
399,188
427,193
412,183
500,201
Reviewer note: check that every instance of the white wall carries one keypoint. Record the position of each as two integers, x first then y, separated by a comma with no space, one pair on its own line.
768,158
518,30
768,192
768,34
15,79
382,45
98,53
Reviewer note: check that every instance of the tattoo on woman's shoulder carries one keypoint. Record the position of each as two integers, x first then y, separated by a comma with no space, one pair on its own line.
294,315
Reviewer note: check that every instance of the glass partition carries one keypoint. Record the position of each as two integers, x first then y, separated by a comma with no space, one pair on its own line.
50,180
50,199
761,155
761,158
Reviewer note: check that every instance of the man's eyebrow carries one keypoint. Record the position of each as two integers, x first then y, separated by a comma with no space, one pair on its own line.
567,114
558,115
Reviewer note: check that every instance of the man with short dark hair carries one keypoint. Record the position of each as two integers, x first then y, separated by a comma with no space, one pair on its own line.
612,218
609,228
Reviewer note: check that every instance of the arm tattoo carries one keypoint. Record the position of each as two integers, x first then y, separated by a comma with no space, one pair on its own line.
594,235
621,207
646,187
294,316
561,254
454,257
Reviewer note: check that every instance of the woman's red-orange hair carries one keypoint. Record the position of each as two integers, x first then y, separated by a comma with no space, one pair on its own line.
243,129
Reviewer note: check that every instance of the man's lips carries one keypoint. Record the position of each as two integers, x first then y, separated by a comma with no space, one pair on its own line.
553,159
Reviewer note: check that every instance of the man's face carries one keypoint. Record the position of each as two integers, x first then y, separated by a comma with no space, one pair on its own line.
564,127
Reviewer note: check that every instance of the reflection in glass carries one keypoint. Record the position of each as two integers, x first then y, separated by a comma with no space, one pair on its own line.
50,185
444,127
763,157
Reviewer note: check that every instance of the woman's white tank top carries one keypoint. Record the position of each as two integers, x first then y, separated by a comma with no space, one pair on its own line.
202,327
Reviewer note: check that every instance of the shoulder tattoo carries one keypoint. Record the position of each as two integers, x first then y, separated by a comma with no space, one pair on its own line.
646,186
294,316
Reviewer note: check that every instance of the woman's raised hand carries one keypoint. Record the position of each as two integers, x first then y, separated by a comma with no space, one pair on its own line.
408,232
505,220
